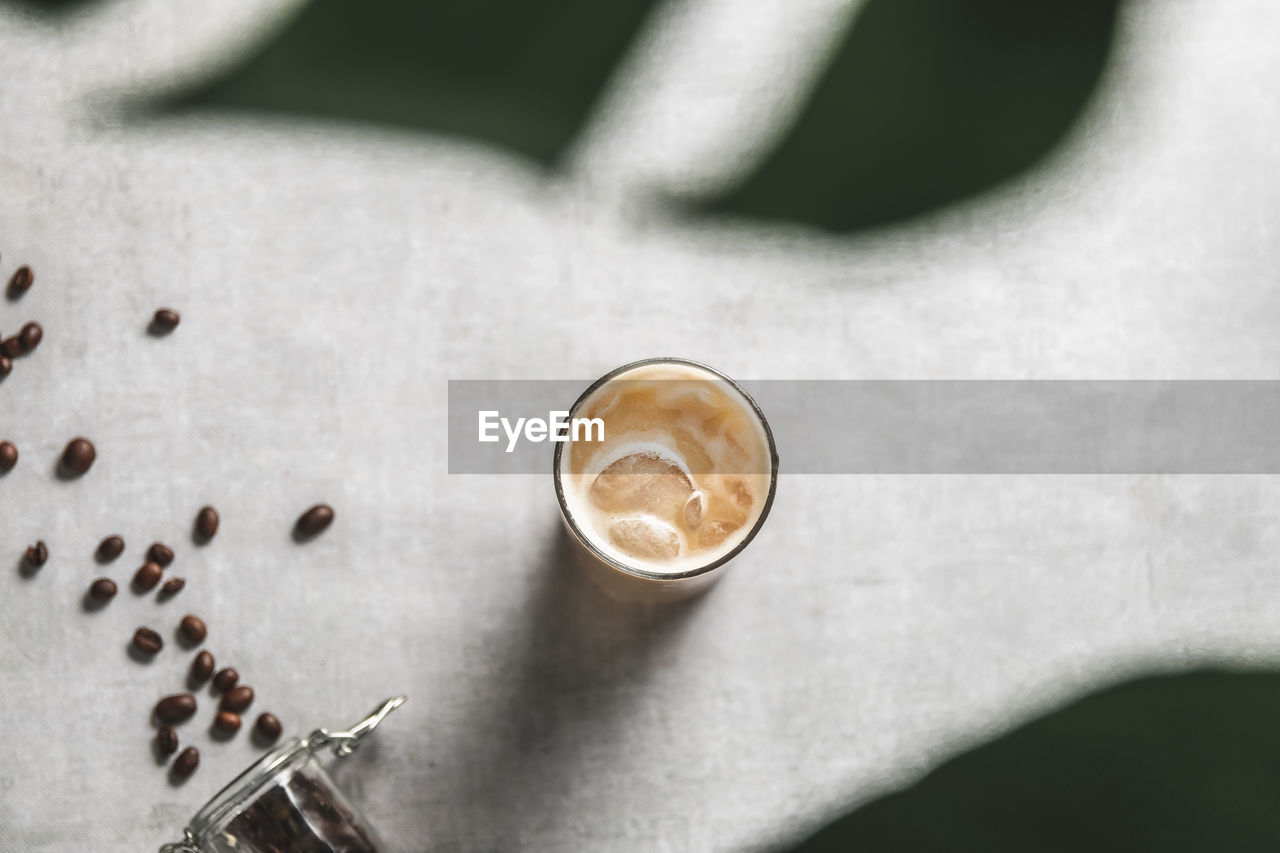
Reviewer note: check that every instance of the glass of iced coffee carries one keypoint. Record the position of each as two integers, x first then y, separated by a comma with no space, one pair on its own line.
669,474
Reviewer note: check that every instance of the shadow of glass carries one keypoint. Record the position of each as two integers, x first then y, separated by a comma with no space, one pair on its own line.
926,103
1162,763
571,666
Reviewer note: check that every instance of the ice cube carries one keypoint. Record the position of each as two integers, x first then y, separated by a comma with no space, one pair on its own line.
646,538
694,509
713,533
646,481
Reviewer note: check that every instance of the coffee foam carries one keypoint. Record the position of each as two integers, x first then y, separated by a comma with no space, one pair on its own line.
682,475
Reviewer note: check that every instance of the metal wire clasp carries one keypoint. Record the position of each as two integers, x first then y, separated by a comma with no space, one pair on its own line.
346,742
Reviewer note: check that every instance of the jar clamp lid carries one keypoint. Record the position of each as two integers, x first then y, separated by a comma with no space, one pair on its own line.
244,788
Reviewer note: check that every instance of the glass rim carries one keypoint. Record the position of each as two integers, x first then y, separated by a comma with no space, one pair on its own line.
698,571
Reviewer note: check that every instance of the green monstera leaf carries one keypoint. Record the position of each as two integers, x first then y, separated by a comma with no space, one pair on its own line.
927,102
522,74
1167,763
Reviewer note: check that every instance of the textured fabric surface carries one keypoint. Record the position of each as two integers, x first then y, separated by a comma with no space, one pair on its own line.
331,280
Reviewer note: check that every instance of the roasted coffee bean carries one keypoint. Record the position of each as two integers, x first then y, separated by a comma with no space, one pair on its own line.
22,280
238,698
166,740
147,641
226,679
186,762
79,455
227,721
207,522
166,320
11,347
30,337
38,554
110,548
315,520
8,456
6,365
160,553
268,726
193,629
172,586
201,668
147,576
175,708
103,589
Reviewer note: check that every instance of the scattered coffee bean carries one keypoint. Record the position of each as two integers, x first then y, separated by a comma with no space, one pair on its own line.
227,721
315,520
166,740
186,762
103,589
238,698
226,679
8,456
11,347
6,365
175,708
79,455
147,576
207,522
193,629
38,554
110,548
172,586
30,337
166,320
147,641
160,553
201,668
268,726
22,280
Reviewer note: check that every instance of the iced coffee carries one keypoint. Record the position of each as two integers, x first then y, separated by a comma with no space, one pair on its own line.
673,483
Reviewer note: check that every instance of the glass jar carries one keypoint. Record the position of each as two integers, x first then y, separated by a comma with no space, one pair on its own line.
287,803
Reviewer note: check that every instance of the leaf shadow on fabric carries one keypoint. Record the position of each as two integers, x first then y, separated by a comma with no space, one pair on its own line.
1166,762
